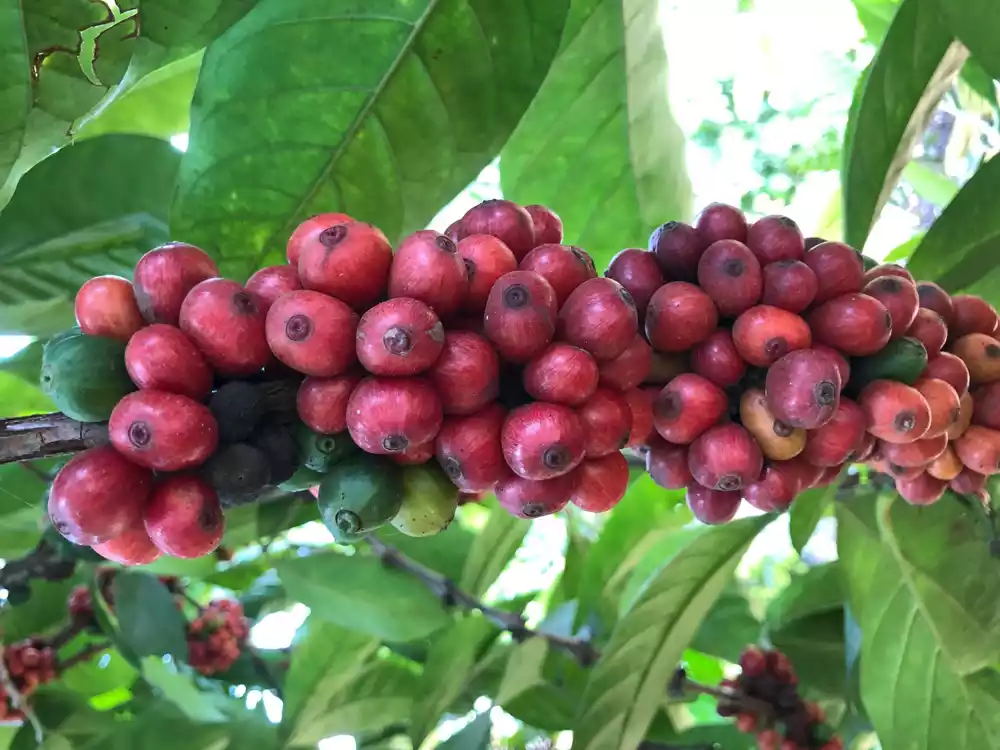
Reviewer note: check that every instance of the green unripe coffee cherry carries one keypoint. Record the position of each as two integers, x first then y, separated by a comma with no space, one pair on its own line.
429,501
358,495
85,376
322,452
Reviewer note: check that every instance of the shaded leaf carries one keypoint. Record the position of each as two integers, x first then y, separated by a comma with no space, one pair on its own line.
928,619
97,676
974,23
524,669
327,660
493,548
806,513
473,736
963,245
361,593
50,244
149,619
180,690
816,591
913,67
449,664
41,613
21,510
603,112
15,72
403,111
727,628
626,685
447,552
815,645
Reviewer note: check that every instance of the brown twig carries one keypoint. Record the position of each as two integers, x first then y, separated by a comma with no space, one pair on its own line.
451,595
46,436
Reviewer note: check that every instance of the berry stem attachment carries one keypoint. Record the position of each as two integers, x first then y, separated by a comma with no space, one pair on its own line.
681,685
452,596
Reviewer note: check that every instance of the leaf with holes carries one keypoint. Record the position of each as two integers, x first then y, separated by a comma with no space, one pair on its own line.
928,617
406,103
625,689
963,245
84,211
914,66
493,548
599,144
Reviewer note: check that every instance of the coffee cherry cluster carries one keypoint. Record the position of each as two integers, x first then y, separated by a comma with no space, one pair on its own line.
756,334
29,664
217,637
765,701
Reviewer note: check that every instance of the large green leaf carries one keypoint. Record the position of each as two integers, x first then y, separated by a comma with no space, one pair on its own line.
327,660
493,549
626,685
384,111
974,23
449,664
963,245
599,143
15,72
179,689
45,610
727,628
524,669
928,609
646,515
914,66
361,593
87,210
150,622
806,513
21,509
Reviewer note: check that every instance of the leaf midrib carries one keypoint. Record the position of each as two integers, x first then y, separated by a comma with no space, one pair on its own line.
356,124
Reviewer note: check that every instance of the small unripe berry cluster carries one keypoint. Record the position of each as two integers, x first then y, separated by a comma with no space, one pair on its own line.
29,663
216,637
790,723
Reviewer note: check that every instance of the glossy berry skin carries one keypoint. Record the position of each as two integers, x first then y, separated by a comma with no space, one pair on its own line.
321,403
132,547
839,439
774,491
399,337
726,458
562,374
979,450
520,318
547,225
934,298
968,482
778,441
543,441
164,276
981,355
607,422
601,483
667,465
803,388
764,334
838,268
899,297
313,334
226,323
184,518
972,315
348,261
389,415
428,268
679,316
888,269
268,284
467,374
720,221
468,449
929,329
712,506
503,219
789,284
986,409
98,495
641,405
599,317
730,274
565,267
308,231
944,402
965,414
917,454
639,272
921,490
855,324
775,238
530,498
950,369
415,454
486,259
896,412
678,248
163,431
163,358
629,368
717,359
686,407
106,306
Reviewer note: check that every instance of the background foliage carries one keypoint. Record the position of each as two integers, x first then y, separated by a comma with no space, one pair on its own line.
225,122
